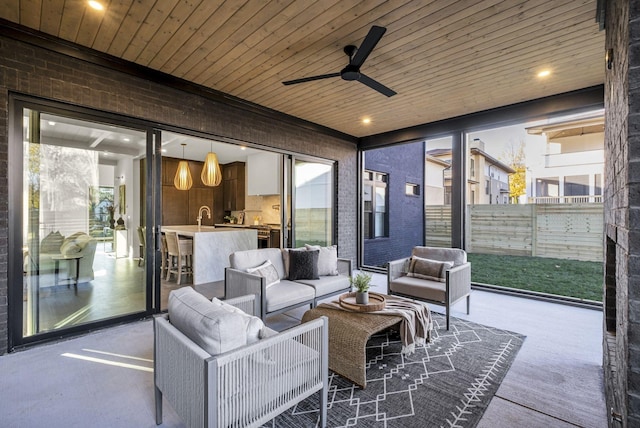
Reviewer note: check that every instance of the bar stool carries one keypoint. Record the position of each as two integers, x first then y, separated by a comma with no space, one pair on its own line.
164,266
180,252
143,244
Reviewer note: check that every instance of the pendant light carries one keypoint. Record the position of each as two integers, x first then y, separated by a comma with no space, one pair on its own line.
183,180
211,174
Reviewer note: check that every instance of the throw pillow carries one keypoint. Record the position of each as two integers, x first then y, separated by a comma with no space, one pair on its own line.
266,270
327,259
212,328
52,243
69,247
253,325
285,258
434,270
82,240
303,265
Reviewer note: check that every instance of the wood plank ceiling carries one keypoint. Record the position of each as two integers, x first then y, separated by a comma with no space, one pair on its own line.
443,58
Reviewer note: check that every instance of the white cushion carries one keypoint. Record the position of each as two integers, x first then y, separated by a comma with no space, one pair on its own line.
211,327
253,325
268,271
327,284
327,259
288,293
242,260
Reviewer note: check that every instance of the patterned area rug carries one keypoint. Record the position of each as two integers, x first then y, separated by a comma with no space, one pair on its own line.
447,383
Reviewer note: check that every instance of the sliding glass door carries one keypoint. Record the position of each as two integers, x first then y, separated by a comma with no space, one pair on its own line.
82,262
313,202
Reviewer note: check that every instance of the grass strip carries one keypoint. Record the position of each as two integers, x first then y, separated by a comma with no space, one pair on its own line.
573,278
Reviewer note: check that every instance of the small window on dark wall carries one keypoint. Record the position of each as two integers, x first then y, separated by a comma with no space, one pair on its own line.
376,220
412,189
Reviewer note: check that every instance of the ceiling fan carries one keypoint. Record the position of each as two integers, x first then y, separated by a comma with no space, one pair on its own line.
357,56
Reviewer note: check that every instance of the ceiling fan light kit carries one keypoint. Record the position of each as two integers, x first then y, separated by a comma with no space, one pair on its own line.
357,57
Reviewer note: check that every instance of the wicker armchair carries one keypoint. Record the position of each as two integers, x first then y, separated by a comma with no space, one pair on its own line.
244,387
454,285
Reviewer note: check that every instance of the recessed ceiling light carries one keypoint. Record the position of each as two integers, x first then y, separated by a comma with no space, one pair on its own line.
243,148
164,150
544,73
96,5
366,121
52,123
126,139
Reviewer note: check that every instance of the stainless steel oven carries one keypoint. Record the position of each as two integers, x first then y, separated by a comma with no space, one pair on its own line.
264,236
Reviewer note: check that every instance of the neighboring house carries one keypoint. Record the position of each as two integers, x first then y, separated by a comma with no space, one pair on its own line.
573,166
393,202
487,177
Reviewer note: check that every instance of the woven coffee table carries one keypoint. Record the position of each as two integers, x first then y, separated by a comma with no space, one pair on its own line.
348,336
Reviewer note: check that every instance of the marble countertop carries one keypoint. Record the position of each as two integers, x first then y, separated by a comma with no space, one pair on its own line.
192,229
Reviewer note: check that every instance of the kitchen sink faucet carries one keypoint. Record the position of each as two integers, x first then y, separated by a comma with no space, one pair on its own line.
199,218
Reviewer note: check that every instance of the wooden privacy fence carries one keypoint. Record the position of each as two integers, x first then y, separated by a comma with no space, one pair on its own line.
562,231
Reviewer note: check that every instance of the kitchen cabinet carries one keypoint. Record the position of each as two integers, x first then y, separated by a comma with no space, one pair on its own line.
181,206
264,174
199,196
175,205
233,185
169,168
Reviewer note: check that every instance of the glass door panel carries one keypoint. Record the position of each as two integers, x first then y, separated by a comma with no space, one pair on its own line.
438,192
313,206
81,261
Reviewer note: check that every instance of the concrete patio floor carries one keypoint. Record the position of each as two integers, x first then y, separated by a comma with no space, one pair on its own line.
102,379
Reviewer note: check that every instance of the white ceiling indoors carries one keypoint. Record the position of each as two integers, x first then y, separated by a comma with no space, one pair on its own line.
443,58
114,142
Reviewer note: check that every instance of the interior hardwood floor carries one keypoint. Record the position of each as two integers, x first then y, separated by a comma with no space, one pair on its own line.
118,289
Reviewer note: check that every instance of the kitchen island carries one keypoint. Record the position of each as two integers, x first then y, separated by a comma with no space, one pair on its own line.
212,247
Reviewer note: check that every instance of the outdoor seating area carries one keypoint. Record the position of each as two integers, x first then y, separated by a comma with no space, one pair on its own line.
288,278
562,345
278,214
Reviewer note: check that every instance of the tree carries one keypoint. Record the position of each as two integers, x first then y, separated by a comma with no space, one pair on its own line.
517,183
516,159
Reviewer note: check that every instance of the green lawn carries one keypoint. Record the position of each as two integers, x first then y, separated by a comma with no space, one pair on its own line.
555,276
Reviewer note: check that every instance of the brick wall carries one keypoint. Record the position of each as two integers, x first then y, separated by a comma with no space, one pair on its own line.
404,164
30,70
621,344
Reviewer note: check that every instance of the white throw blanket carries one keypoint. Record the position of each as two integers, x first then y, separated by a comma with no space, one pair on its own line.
416,324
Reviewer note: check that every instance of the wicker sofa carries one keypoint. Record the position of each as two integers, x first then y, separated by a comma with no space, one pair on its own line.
286,293
245,385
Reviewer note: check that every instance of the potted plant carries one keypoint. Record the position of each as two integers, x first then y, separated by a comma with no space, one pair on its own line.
230,218
361,282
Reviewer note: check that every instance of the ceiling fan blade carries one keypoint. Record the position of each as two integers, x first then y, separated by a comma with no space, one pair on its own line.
369,42
373,84
309,79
